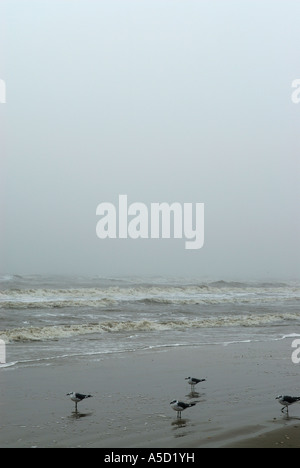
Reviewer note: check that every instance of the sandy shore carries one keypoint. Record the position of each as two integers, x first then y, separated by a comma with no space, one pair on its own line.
282,438
130,408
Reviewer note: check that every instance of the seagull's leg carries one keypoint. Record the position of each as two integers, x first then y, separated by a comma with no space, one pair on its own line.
76,411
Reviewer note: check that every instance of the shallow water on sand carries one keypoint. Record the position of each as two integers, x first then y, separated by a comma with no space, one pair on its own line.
132,394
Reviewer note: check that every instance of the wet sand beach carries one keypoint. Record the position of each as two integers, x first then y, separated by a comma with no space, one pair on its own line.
282,438
132,394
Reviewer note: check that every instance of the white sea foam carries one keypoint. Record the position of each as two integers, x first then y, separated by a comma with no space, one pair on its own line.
215,293
27,334
78,316
7,364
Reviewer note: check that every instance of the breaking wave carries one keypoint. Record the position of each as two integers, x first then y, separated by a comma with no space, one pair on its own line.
215,293
31,334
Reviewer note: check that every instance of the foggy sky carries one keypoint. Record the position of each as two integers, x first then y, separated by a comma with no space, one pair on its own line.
161,100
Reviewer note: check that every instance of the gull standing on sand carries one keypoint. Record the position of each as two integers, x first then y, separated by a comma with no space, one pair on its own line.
193,382
77,398
180,406
287,401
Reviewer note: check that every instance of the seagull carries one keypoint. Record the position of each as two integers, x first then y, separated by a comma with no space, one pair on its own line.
77,398
193,382
180,406
287,401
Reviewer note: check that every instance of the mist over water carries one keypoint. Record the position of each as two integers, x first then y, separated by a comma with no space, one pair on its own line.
166,102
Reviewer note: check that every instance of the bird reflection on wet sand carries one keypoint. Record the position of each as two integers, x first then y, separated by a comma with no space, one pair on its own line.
77,415
182,427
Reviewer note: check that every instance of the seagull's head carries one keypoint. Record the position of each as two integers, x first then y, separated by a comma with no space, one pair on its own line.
279,397
187,378
173,402
69,394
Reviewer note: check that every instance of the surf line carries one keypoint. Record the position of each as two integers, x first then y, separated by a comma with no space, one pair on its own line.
160,221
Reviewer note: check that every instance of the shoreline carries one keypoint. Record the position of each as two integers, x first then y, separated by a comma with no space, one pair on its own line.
132,392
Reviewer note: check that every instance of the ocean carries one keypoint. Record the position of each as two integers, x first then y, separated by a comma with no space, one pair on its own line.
47,320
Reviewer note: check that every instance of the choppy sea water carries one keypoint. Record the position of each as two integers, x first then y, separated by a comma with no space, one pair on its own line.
49,319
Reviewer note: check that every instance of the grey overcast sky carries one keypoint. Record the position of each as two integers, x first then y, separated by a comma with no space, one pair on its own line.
162,100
